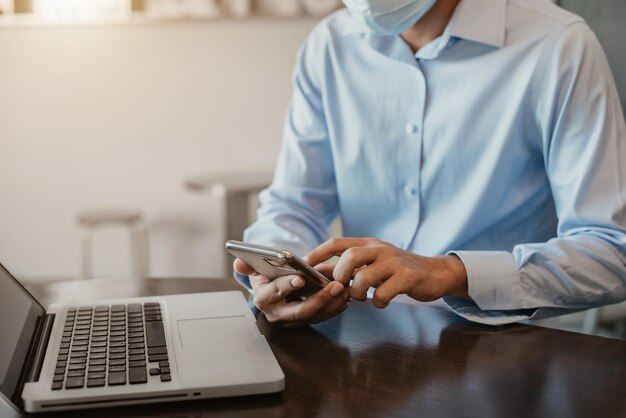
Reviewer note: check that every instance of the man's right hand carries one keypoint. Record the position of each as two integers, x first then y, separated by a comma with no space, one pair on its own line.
269,297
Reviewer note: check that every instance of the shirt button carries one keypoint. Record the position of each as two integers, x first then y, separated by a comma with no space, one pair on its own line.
410,128
410,191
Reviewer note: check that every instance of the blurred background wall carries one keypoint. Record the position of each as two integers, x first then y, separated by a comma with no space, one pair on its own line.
119,116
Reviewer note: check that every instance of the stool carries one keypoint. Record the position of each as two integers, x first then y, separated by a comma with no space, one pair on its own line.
89,221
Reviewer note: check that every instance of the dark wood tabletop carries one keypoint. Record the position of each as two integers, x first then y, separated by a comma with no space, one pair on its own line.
404,361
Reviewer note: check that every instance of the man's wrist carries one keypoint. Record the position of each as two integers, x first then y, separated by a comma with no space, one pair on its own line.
456,277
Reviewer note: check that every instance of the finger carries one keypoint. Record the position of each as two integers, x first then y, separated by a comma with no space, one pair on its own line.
352,259
242,268
367,277
335,246
303,311
388,290
326,270
257,281
277,289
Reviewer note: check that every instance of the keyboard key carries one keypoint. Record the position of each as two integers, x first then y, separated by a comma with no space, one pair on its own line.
165,370
157,357
117,378
118,344
164,364
166,377
117,350
78,360
75,373
155,334
98,362
135,345
77,366
58,378
117,369
93,383
118,308
136,357
96,375
61,364
117,355
59,370
137,364
135,340
57,385
117,362
135,351
96,356
155,371
97,368
137,375
158,350
74,382
134,307
62,357
102,309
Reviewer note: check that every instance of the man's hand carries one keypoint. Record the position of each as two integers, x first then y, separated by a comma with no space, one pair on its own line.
371,262
269,297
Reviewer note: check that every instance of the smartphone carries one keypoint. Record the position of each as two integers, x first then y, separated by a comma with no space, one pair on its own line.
275,262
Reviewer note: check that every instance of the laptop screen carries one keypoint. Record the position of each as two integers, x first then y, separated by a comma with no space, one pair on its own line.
18,317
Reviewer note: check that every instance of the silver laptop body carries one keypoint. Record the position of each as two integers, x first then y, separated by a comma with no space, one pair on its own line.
213,349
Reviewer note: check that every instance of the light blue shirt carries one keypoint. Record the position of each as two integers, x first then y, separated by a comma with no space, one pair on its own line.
502,141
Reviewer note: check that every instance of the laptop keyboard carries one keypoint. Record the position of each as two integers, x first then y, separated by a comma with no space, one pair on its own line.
107,345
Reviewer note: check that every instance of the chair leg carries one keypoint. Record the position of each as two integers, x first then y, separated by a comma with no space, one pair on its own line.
86,253
139,245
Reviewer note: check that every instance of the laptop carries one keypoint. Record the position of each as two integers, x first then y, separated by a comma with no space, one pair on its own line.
128,351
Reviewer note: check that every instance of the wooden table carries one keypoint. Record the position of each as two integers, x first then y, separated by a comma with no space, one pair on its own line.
403,361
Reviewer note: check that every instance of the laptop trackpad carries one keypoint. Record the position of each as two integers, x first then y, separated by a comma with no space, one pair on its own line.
203,333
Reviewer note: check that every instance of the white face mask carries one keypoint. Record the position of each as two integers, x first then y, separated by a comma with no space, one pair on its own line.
390,17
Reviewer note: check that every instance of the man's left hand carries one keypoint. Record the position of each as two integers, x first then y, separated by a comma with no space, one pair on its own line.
370,262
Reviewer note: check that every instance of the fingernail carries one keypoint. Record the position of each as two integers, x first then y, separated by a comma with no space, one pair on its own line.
336,290
305,258
297,282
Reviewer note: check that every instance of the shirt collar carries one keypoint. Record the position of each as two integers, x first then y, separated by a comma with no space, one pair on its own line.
482,21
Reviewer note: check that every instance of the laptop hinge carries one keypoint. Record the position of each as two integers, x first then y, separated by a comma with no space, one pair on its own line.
35,361
36,353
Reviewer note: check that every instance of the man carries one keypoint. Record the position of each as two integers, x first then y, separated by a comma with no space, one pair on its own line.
482,144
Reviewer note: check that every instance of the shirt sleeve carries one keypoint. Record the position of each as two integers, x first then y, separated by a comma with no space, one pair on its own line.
298,207
580,123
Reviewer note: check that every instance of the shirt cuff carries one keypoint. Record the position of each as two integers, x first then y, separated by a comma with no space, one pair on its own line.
243,281
470,311
493,279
